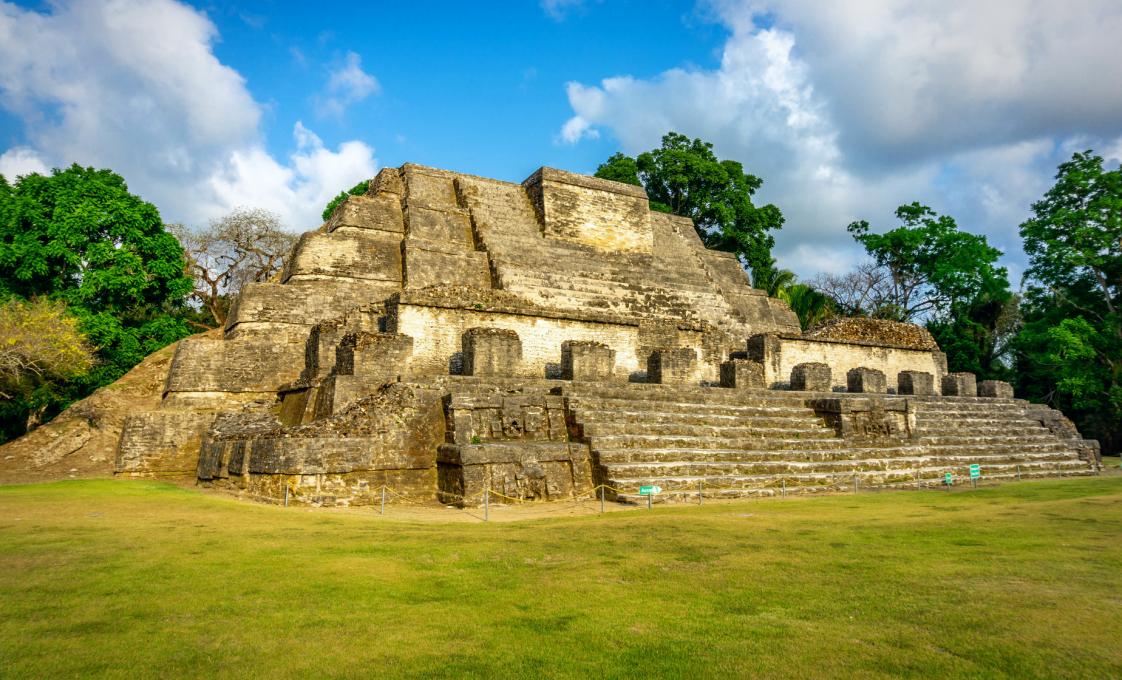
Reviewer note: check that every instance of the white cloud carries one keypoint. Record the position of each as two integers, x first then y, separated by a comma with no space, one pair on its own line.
559,9
849,110
348,84
20,160
298,190
134,85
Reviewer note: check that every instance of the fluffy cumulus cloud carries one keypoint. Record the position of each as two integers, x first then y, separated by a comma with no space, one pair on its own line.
850,109
347,84
134,85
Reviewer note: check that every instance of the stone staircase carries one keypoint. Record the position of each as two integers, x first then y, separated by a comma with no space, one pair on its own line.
733,443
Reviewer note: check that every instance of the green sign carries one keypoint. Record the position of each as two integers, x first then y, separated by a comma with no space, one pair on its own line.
949,479
975,471
649,490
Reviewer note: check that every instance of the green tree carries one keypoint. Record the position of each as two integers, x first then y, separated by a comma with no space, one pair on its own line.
932,266
356,190
1069,352
686,178
929,271
79,237
812,306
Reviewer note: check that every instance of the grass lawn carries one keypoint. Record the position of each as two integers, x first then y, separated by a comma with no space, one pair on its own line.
115,578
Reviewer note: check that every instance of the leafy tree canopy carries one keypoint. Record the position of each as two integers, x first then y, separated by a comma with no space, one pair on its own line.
1070,350
686,178
931,266
356,190
78,236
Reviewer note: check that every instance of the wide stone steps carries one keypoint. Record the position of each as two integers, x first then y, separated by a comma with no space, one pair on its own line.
903,465
1013,428
738,427
740,442
733,485
611,456
968,440
772,486
807,442
636,421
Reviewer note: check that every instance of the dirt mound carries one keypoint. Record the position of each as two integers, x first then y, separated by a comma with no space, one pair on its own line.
875,331
82,440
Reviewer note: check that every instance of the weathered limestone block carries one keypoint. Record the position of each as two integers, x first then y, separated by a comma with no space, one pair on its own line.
811,377
377,213
306,302
960,385
995,389
672,366
428,187
161,443
486,416
491,351
608,216
867,419
434,263
526,471
382,356
451,225
366,255
919,383
388,181
866,380
742,374
586,360
253,360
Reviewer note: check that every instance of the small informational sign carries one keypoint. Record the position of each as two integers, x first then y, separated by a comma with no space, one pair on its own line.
975,471
649,490
948,479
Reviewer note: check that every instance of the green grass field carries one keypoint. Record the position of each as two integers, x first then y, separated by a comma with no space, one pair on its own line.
113,578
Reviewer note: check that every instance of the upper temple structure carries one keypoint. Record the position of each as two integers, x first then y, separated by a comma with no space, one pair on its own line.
446,334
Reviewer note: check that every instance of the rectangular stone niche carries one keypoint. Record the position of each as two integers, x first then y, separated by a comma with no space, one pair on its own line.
491,351
587,360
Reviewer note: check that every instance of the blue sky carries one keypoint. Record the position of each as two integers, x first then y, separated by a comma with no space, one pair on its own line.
478,87
845,109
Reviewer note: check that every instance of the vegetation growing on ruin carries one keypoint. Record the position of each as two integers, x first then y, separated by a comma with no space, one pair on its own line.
356,190
118,578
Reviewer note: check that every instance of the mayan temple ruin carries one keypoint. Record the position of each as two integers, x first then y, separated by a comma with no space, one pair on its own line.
445,334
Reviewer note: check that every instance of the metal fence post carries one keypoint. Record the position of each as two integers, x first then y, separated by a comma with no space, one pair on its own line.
601,499
699,483
286,495
649,496
854,483
383,499
783,487
486,504
1018,473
